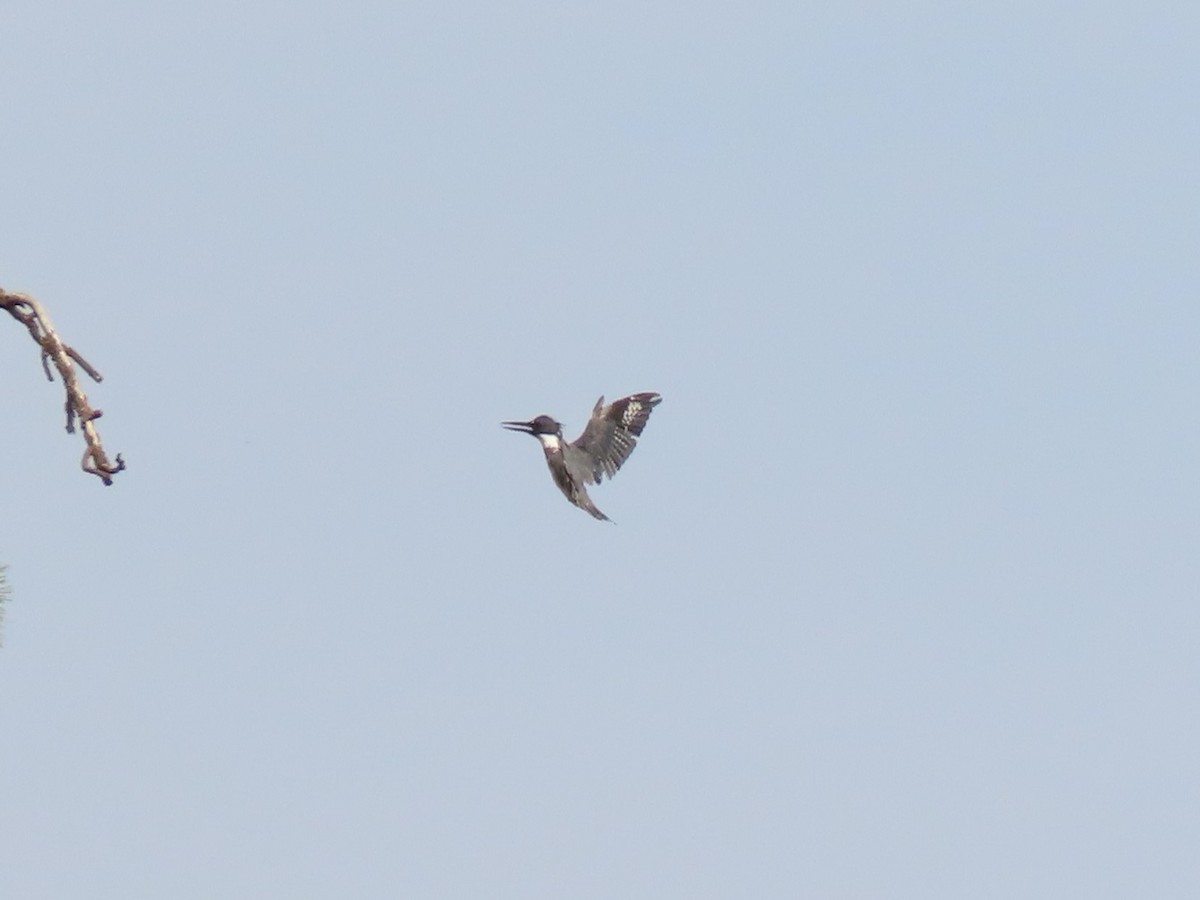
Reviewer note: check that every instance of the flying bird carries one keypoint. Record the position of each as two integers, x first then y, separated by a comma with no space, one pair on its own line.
606,442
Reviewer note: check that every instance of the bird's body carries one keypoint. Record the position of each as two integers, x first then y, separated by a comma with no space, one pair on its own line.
606,442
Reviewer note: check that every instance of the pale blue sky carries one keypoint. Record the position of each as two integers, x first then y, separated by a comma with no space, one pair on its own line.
902,598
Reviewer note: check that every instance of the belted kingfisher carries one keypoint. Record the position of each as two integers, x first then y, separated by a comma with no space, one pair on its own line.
605,444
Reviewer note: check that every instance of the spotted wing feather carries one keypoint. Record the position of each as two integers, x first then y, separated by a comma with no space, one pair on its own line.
610,436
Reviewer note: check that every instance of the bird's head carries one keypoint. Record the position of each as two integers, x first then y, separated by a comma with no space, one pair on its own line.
540,425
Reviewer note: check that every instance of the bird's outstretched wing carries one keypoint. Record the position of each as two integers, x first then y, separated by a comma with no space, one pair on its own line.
610,436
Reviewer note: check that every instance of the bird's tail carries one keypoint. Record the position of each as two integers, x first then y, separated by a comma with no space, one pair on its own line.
585,503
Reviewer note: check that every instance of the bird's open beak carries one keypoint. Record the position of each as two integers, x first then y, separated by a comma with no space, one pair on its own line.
523,427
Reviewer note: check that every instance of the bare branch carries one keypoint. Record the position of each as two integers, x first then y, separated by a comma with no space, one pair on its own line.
32,315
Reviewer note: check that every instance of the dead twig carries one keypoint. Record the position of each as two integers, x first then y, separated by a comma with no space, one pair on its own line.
32,315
